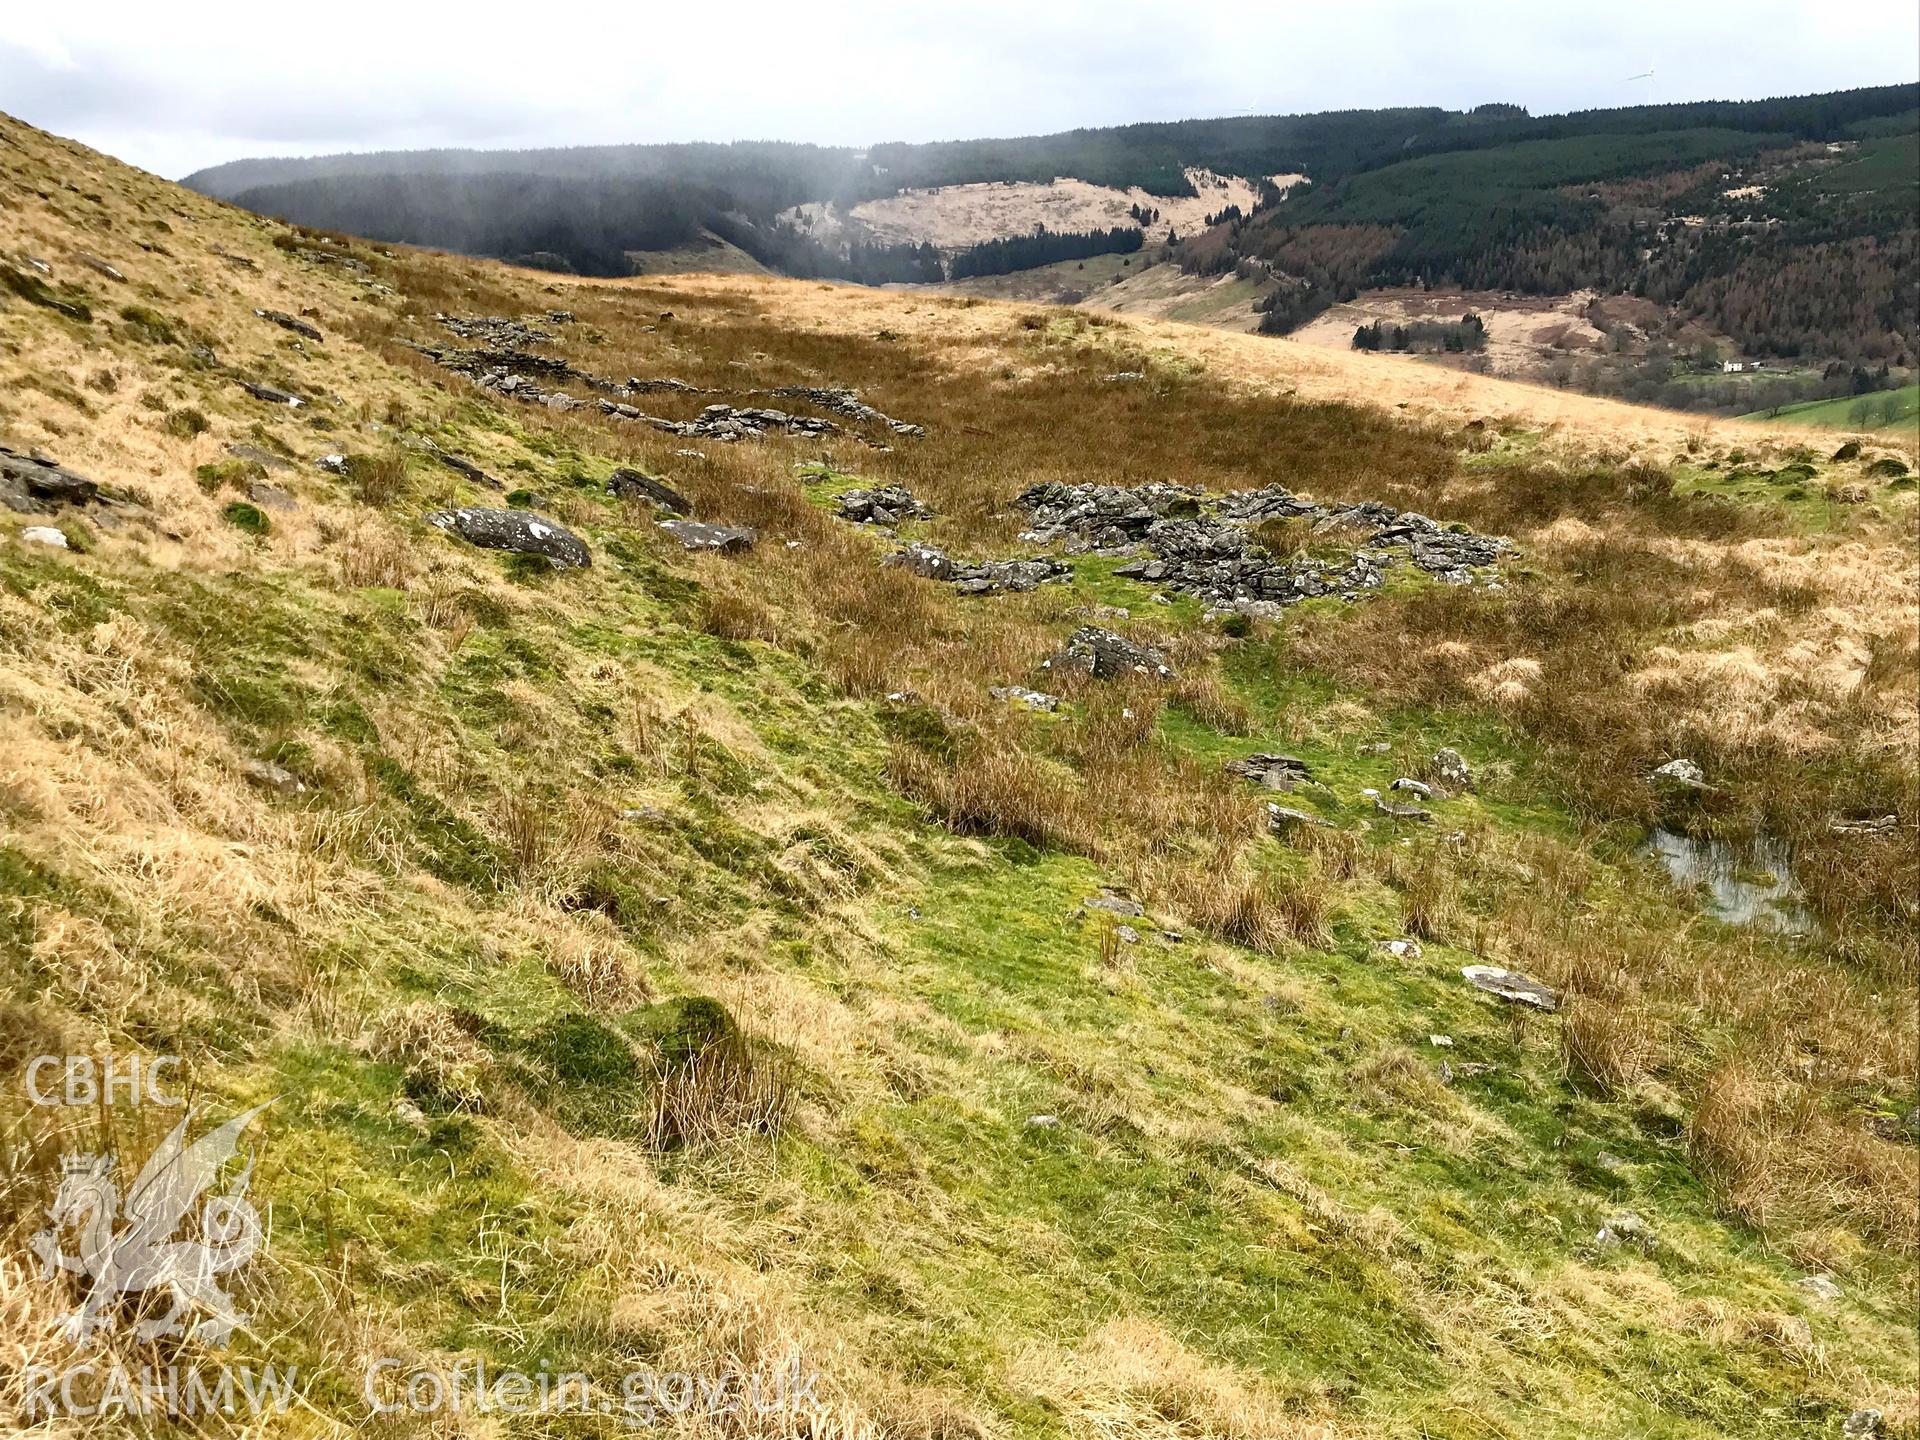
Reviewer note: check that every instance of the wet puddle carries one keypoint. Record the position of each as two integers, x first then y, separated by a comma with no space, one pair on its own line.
1743,885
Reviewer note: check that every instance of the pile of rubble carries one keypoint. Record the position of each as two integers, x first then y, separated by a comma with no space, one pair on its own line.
1102,517
884,505
1206,547
987,578
726,423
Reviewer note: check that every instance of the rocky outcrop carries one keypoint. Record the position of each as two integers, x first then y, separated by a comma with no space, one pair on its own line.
1108,656
885,505
291,322
636,485
37,484
271,394
520,531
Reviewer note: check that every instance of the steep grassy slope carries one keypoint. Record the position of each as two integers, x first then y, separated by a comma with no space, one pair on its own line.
682,963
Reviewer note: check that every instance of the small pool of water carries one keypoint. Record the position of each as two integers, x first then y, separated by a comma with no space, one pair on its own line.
1749,884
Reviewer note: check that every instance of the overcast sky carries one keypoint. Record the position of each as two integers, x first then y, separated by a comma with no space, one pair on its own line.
174,85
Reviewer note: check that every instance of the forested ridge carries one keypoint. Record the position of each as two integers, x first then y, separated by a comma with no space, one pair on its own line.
1630,200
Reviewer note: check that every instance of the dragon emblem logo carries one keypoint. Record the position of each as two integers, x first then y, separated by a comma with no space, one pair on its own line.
128,1245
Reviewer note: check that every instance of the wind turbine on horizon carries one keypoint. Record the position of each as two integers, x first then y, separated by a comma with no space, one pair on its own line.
1646,75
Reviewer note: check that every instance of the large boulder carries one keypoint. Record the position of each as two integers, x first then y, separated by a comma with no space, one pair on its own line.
520,531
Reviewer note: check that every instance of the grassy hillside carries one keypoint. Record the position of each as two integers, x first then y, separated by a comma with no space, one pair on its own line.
684,963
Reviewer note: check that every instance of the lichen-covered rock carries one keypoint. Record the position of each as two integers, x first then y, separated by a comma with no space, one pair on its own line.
1683,773
1449,770
520,531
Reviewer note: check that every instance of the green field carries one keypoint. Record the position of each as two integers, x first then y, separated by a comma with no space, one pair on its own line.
1887,410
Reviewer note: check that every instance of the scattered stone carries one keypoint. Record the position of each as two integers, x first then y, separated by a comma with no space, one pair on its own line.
1626,1228
1405,948
644,814
269,776
1032,699
1449,770
1107,656
1879,825
635,485
44,535
1862,1424
1444,1042
520,531
333,464
291,322
1043,1122
1281,819
271,395
270,497
1123,377
1683,773
1113,902
1512,985
411,1115
887,505
1396,812
1127,934
37,484
690,454
1413,787
1273,772
1378,747
1820,1287
719,539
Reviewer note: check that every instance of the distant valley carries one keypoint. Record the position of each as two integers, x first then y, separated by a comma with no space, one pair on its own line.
1717,257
